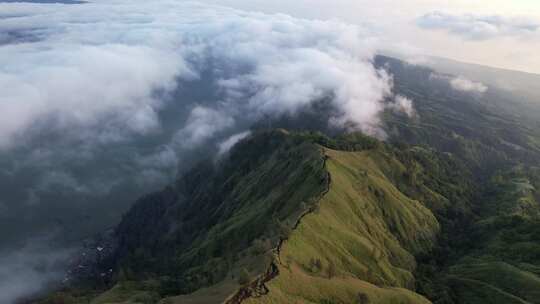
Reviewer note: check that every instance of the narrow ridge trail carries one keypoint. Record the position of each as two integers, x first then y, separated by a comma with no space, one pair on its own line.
257,287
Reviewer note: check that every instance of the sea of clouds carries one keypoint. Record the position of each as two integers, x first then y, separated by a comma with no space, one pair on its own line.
107,65
480,27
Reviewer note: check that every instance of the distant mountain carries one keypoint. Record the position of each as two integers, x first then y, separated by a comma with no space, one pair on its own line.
488,130
521,83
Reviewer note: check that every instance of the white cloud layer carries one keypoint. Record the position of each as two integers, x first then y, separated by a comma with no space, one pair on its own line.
479,27
226,145
104,66
203,123
29,269
404,105
463,84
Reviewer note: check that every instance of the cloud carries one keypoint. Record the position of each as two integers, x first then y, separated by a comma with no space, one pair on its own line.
203,123
80,85
165,157
59,181
29,269
160,166
106,66
68,68
461,83
404,105
226,145
479,27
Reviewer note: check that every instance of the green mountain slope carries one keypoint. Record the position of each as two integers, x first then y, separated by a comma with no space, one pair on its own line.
447,210
496,136
365,234
488,131
220,214
332,212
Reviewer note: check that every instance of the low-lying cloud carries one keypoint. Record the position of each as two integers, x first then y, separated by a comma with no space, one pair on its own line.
108,65
29,269
202,124
479,27
228,143
403,105
461,83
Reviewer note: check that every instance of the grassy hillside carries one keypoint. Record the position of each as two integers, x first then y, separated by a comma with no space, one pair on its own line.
489,252
364,234
504,256
303,218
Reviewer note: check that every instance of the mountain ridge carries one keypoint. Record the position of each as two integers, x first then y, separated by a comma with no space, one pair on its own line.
287,143
476,192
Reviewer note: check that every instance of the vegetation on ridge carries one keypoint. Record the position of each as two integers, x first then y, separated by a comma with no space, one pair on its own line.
446,211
